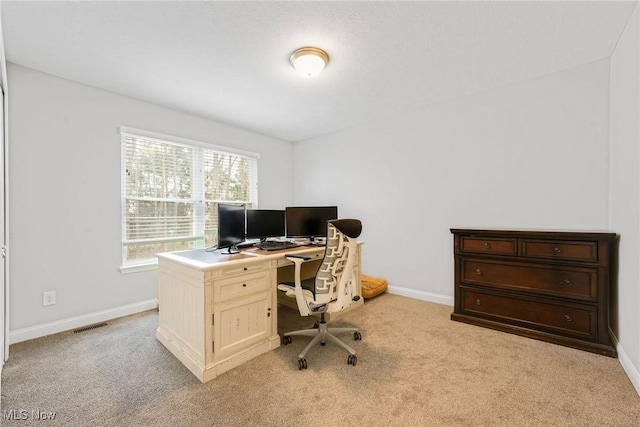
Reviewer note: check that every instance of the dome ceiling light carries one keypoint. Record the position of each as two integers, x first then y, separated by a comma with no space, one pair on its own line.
309,61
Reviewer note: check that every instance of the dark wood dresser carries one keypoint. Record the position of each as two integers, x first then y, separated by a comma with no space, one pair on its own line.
548,285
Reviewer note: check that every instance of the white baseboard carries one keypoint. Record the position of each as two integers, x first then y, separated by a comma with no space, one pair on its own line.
50,328
629,368
421,295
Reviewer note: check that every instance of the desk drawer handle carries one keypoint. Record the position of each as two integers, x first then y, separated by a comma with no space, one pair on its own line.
568,318
557,250
478,271
478,302
566,282
487,245
244,285
245,269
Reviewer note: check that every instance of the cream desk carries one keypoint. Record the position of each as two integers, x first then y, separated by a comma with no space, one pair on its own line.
216,310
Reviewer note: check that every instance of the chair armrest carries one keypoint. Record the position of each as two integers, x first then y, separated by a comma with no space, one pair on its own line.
301,301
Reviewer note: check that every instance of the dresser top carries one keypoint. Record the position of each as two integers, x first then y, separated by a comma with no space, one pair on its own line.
538,234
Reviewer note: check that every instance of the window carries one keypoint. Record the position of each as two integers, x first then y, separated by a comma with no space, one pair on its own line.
170,191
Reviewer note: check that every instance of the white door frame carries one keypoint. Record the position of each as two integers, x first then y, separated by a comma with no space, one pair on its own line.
4,204
4,228
4,288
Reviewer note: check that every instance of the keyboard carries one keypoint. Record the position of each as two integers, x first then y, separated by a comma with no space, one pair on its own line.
270,245
245,244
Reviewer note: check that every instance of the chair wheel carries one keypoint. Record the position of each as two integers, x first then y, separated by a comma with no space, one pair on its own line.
302,364
286,340
316,325
357,336
352,359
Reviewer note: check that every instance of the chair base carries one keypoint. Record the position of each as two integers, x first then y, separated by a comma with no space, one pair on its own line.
322,335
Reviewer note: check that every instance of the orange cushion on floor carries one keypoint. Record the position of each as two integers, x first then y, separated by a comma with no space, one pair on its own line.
372,286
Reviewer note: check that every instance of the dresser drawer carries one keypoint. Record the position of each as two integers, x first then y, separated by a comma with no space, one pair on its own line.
568,282
565,250
488,245
545,315
226,289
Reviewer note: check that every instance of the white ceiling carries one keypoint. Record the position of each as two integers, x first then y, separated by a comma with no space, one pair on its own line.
228,61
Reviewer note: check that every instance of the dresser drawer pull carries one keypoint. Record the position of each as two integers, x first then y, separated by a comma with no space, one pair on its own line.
487,245
478,271
557,250
478,302
568,318
566,282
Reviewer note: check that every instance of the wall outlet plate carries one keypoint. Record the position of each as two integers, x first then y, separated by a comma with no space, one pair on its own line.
48,298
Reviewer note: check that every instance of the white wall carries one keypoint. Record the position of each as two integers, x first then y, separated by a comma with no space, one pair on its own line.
625,193
65,196
530,155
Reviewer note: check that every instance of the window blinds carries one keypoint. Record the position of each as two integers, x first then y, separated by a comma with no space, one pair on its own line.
170,192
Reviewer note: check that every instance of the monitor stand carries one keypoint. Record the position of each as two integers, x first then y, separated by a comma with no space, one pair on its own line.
318,241
231,250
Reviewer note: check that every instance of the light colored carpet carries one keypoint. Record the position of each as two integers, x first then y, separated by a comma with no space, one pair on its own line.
415,367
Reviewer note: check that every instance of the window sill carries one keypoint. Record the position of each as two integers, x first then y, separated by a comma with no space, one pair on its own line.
135,268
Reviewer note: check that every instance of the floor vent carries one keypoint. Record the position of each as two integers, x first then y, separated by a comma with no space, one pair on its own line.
88,328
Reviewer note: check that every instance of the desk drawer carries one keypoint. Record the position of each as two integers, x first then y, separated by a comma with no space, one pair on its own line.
226,289
559,281
488,245
245,268
562,318
565,250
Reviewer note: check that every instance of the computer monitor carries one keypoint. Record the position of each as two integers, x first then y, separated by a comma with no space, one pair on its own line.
230,226
309,221
265,223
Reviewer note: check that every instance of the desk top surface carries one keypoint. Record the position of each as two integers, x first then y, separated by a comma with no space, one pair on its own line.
204,260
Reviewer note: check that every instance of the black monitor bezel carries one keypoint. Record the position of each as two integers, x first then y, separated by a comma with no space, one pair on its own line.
265,221
295,216
231,239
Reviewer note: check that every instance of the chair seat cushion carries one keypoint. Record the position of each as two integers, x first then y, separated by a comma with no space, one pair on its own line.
307,284
290,291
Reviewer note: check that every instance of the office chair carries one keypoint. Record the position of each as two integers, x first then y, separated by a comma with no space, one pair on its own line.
331,290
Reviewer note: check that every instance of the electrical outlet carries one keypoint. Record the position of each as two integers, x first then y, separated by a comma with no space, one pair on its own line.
48,298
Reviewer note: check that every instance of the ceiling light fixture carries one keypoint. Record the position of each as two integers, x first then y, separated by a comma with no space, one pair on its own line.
309,61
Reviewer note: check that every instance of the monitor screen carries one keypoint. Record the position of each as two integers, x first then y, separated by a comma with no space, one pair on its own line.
310,221
230,225
264,223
